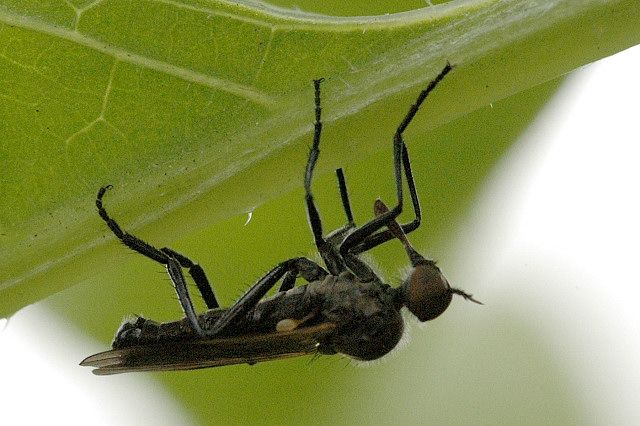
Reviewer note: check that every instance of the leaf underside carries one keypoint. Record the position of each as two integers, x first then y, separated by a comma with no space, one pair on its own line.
198,110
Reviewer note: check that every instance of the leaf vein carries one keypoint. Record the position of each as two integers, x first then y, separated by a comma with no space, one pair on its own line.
124,55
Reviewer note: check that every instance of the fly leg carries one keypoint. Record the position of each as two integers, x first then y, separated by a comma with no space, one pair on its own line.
335,238
168,257
306,268
379,207
179,283
329,255
381,237
360,235
198,275
309,270
344,196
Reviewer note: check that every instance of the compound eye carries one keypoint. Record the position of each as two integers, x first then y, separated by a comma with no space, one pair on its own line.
426,292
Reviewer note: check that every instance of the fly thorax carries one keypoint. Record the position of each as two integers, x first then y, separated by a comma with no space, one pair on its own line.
369,323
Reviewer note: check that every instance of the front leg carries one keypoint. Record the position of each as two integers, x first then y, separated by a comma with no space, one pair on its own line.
360,235
381,237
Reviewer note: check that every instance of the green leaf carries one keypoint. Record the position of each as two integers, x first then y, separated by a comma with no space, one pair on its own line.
197,110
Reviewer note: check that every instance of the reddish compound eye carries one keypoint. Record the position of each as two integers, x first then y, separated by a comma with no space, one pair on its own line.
426,292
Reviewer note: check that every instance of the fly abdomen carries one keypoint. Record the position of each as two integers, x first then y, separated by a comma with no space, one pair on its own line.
130,332
136,331
142,331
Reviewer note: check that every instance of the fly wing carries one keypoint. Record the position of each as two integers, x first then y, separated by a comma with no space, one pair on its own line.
214,352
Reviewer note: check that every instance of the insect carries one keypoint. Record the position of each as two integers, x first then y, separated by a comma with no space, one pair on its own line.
345,308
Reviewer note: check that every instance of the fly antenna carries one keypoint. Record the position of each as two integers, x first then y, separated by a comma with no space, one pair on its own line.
466,296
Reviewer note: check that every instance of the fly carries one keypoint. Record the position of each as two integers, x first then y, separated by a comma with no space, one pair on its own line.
345,308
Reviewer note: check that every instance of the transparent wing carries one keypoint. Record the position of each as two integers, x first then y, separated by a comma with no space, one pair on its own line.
215,352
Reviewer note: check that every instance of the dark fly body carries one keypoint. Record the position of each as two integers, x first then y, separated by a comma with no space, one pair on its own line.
345,308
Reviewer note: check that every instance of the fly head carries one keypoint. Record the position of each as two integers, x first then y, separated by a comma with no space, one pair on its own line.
426,292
